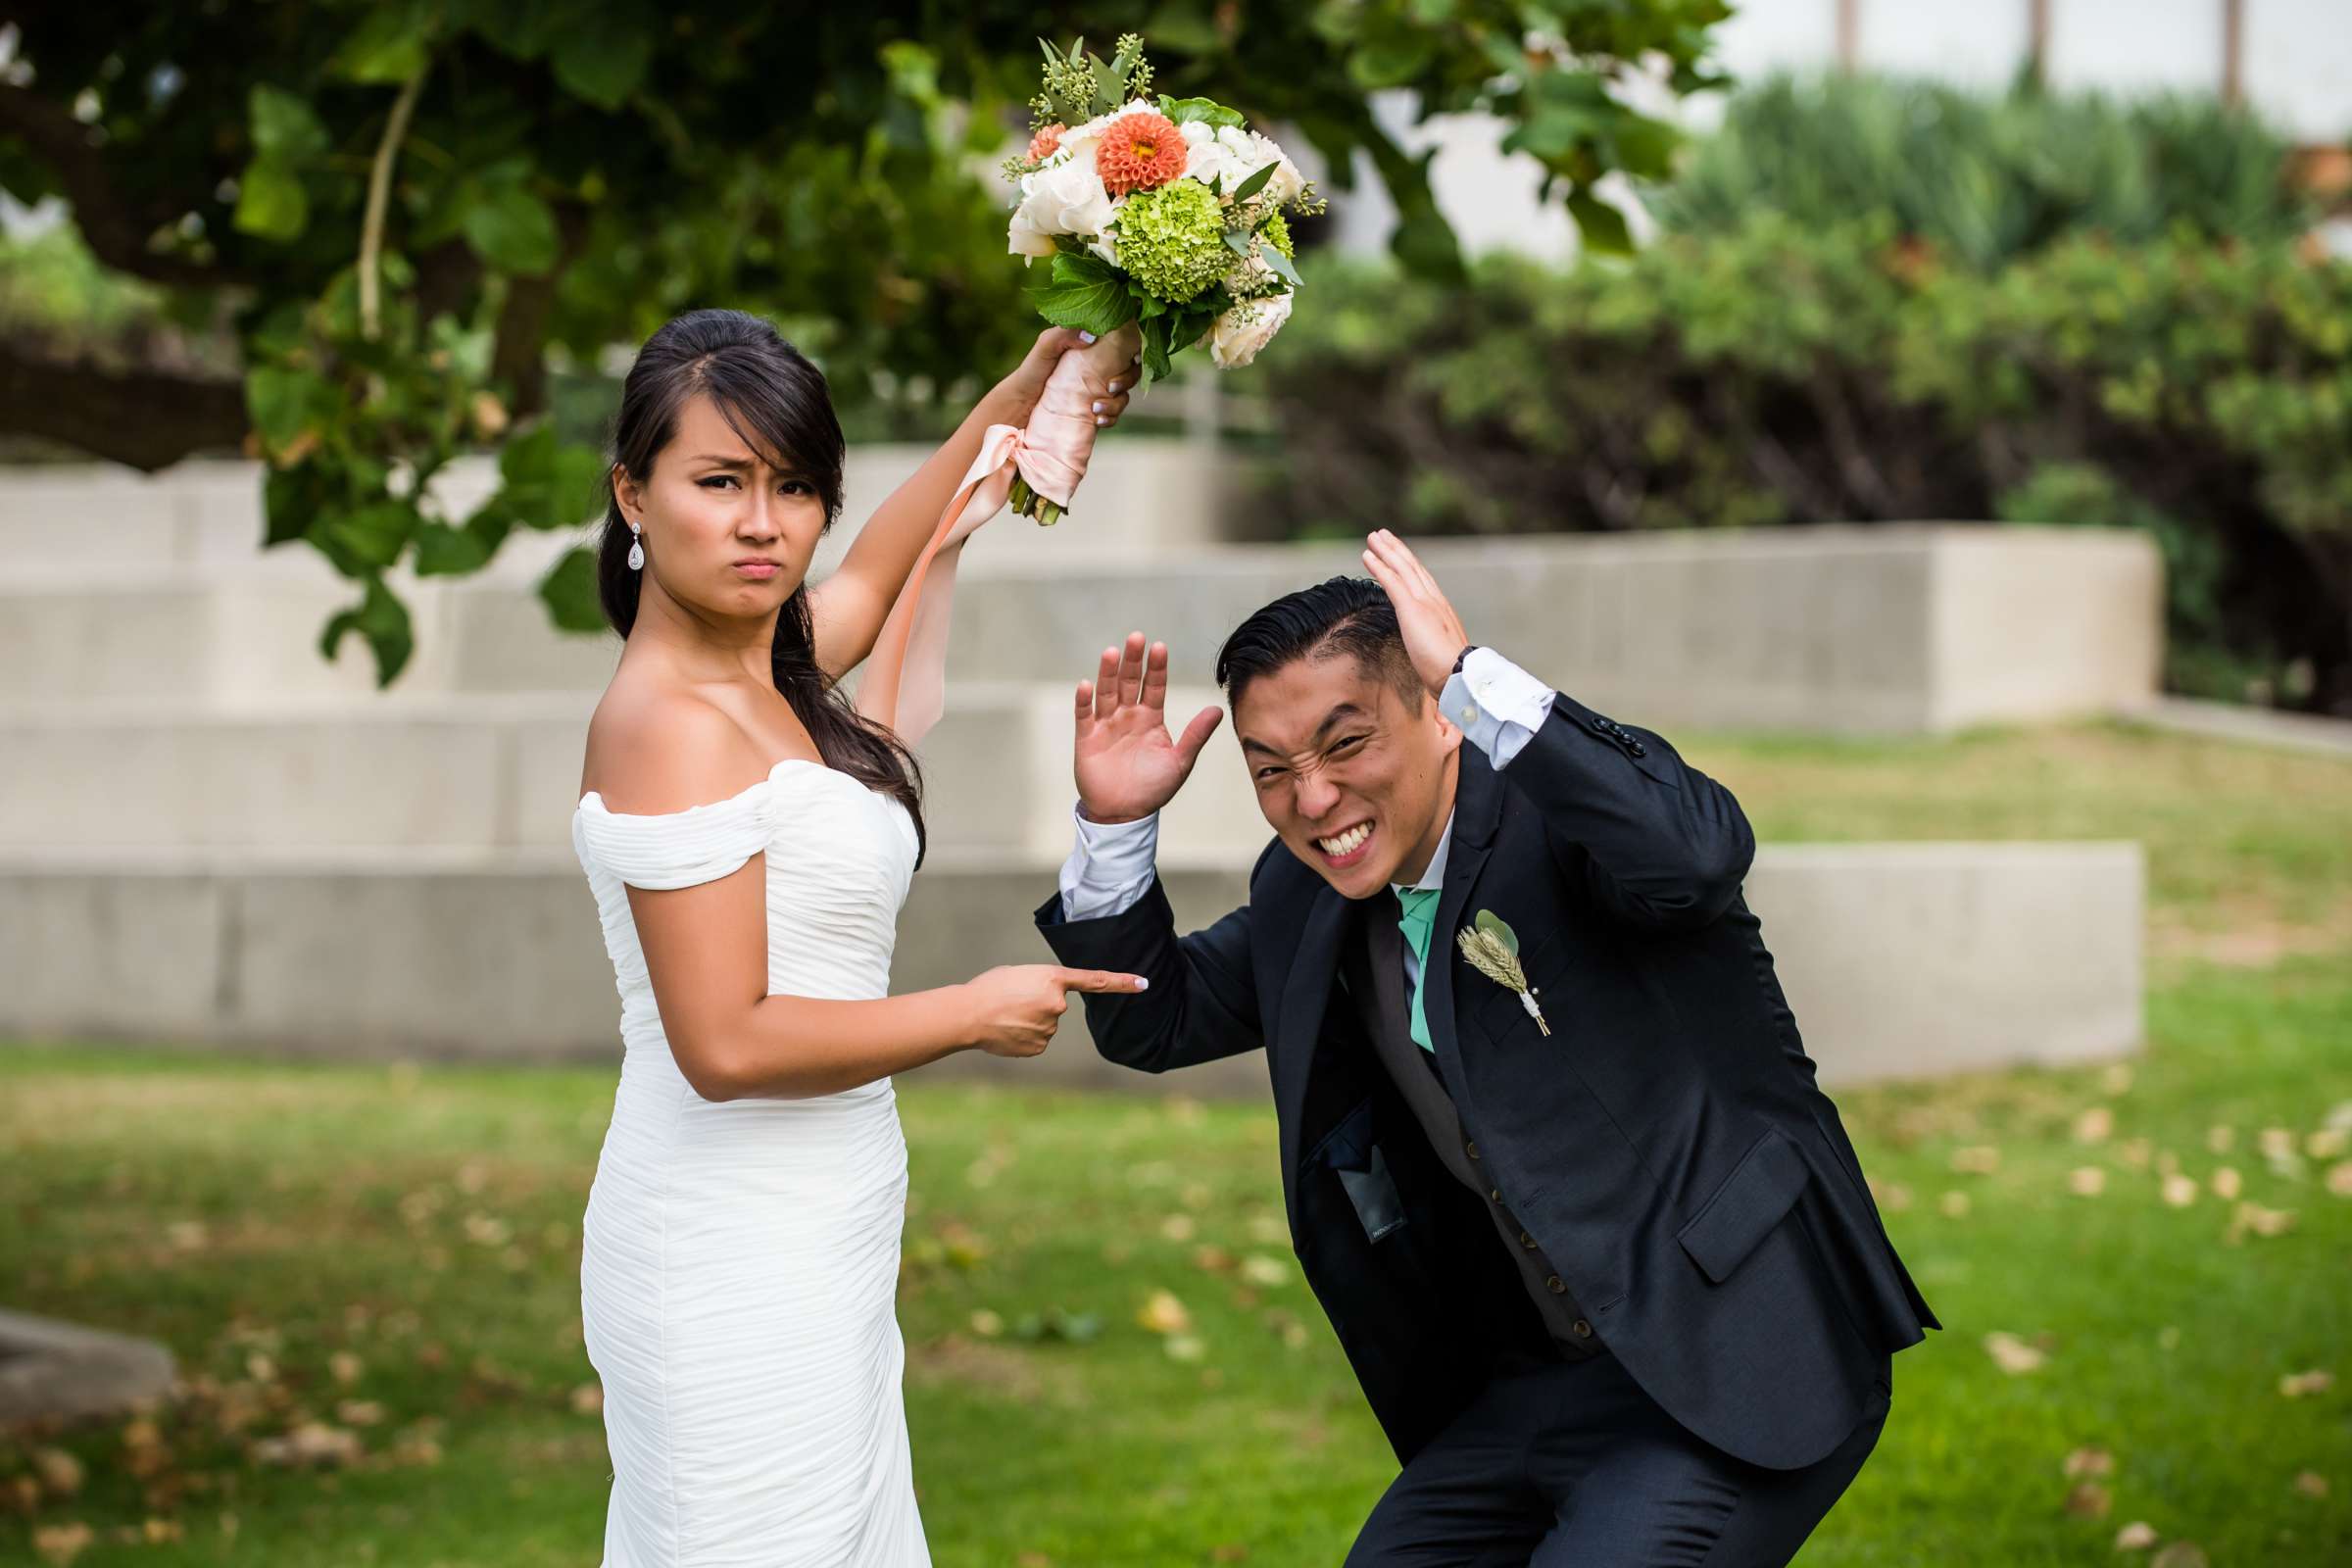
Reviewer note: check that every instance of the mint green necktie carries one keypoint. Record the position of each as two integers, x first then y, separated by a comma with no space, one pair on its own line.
1420,917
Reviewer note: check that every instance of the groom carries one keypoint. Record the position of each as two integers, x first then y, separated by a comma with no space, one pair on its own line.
1616,1293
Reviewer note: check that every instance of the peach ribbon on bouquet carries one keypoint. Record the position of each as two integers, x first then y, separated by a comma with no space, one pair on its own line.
904,681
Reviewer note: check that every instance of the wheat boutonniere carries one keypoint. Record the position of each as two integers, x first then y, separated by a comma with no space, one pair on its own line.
1493,948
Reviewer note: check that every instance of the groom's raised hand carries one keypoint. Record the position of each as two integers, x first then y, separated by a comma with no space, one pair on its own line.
1126,764
1425,617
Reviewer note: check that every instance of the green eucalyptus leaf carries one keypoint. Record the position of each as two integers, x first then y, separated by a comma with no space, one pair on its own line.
1499,929
1255,184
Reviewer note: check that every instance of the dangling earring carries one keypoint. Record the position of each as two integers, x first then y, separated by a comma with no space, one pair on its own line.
637,549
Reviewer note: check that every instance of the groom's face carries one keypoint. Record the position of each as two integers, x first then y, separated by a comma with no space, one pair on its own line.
1356,777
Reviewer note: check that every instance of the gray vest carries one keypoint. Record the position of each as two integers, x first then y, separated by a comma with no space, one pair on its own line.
1414,1071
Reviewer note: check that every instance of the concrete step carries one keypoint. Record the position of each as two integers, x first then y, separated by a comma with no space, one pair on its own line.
1901,960
1909,628
477,772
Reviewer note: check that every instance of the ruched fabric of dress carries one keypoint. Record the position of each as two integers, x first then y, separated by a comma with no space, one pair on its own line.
740,1260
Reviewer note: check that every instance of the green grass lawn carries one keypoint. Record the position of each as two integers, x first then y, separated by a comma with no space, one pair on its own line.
394,1251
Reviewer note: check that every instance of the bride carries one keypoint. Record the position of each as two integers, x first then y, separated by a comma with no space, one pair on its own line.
749,837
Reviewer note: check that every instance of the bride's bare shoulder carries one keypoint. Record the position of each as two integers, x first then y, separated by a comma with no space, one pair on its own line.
653,749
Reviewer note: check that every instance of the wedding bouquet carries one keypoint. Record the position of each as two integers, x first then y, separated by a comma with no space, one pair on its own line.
1163,214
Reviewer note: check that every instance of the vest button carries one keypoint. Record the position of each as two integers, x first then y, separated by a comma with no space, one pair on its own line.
1527,1241
1495,1193
1557,1286
1581,1329
1470,1148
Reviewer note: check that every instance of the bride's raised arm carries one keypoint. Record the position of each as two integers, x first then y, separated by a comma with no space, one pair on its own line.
850,607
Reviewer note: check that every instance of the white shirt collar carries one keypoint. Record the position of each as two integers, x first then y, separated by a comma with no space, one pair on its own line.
1435,876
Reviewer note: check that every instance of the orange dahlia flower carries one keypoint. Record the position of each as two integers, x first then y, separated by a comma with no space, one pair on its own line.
1140,152
1046,142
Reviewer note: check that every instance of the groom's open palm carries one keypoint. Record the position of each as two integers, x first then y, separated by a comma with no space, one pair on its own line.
1127,764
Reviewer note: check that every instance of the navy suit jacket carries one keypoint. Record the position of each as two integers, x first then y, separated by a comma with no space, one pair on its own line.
1666,1145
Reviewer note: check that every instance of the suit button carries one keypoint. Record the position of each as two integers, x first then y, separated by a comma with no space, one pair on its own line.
1527,1241
1495,1193
1470,1148
1557,1286
1636,748
1581,1329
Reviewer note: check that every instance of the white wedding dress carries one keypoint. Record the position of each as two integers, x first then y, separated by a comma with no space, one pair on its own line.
739,1261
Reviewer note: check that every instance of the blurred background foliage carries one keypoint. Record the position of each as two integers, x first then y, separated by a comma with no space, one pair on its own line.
1877,301
395,219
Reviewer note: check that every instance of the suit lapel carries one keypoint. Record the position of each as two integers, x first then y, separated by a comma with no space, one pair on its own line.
1477,808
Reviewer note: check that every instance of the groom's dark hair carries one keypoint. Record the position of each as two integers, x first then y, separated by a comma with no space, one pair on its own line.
1349,615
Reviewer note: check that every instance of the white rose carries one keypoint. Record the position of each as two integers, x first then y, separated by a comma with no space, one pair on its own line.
1205,158
1250,152
1247,328
1065,198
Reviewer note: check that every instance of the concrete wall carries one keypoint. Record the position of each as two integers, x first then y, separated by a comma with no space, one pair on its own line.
1900,960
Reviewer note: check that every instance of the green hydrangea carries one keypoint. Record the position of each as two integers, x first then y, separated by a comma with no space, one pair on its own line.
1277,233
1172,240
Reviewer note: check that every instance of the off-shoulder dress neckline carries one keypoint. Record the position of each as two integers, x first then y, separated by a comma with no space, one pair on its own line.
595,801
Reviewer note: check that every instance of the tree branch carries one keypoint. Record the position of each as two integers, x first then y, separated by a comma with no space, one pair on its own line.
144,419
115,235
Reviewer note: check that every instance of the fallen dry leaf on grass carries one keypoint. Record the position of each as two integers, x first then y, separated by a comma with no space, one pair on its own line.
2311,1484
2089,1500
345,1368
2339,1179
2297,1385
2257,1220
988,1324
2225,1183
1185,1346
2090,1462
2087,1181
2012,1355
62,1543
2328,1143
1954,1205
2137,1536
2219,1139
60,1473
1264,1272
588,1399
1178,1228
2179,1190
313,1442
2180,1554
1977,1160
2093,1125
359,1413
1163,1313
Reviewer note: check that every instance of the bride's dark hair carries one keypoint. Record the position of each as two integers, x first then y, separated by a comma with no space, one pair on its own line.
775,400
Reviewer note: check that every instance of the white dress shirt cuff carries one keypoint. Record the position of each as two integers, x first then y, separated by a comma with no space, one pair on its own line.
1497,706
1110,867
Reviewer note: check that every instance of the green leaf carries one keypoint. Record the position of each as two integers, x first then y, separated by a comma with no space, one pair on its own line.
1255,184
1497,927
280,401
282,124
1237,242
512,229
604,61
1084,292
374,535
384,620
271,201
445,552
568,590
1280,265
1205,110
549,484
1602,225
390,46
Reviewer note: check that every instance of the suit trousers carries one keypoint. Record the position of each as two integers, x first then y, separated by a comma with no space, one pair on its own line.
1560,1463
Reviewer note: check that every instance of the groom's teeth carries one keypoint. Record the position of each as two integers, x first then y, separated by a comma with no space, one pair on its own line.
1347,843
